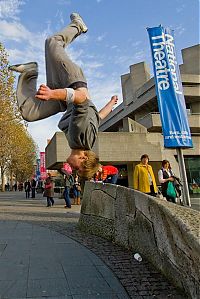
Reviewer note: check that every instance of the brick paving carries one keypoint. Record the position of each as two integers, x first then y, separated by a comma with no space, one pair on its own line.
140,279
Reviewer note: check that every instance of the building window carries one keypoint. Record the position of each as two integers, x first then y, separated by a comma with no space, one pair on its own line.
192,165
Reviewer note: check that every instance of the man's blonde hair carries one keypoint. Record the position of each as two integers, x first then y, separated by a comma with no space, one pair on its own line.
89,166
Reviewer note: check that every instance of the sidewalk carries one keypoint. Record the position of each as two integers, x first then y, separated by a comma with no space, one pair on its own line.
41,256
37,262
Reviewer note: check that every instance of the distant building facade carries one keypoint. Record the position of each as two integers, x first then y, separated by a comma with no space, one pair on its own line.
134,127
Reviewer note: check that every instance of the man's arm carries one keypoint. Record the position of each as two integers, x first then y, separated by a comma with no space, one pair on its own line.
45,93
108,107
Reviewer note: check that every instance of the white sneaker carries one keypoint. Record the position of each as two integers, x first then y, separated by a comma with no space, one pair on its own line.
76,19
20,68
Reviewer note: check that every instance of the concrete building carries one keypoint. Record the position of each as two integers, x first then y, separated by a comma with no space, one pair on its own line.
134,127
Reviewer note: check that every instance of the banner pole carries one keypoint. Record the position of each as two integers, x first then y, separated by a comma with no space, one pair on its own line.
185,190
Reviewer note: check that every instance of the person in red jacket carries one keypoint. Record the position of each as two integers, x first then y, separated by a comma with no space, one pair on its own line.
108,174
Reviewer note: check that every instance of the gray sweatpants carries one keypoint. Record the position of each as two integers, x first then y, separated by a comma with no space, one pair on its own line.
61,72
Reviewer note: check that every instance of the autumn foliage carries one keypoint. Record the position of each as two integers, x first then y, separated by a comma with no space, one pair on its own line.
17,148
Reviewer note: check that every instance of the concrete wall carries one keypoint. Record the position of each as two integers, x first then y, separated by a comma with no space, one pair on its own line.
152,121
57,151
164,233
139,74
191,60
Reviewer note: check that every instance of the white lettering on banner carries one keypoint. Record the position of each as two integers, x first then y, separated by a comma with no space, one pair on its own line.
178,135
159,42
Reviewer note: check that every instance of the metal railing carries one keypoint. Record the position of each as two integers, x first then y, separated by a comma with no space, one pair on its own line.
156,113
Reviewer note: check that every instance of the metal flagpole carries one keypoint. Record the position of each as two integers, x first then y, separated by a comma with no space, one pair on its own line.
185,190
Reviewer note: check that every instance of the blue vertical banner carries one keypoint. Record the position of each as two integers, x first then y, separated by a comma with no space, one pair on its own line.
171,102
37,169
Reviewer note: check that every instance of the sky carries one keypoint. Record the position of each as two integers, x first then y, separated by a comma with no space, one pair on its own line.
116,38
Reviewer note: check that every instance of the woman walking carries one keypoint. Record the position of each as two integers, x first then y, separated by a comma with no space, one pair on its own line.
165,175
77,191
143,178
49,190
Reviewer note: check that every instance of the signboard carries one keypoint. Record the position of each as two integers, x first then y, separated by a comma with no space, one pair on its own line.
37,169
169,89
43,173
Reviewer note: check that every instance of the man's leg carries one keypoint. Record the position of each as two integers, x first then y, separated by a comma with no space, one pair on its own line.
33,192
52,200
114,178
61,72
48,202
67,198
31,108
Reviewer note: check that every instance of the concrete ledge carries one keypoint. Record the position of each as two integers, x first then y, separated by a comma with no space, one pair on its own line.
166,234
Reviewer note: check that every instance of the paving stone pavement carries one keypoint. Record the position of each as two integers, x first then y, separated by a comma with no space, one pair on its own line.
44,255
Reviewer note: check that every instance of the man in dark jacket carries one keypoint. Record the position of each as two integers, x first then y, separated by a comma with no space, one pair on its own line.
27,188
33,185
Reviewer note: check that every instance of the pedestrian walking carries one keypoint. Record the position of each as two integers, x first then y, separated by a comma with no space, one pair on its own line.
33,187
69,182
20,186
49,190
169,182
77,190
15,187
27,188
143,177
66,91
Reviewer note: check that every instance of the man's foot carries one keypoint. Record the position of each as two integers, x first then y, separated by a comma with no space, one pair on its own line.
76,19
20,68
67,207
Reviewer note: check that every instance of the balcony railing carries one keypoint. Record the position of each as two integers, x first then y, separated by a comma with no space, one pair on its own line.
152,122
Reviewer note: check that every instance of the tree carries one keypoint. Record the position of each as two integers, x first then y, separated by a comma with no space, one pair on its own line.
16,145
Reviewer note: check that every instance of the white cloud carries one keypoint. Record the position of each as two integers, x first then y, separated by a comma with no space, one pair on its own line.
136,44
93,70
139,56
59,16
127,60
13,31
101,91
83,39
114,47
180,8
10,8
63,2
101,37
93,64
179,30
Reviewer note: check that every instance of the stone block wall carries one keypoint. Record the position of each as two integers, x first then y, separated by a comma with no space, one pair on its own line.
166,234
